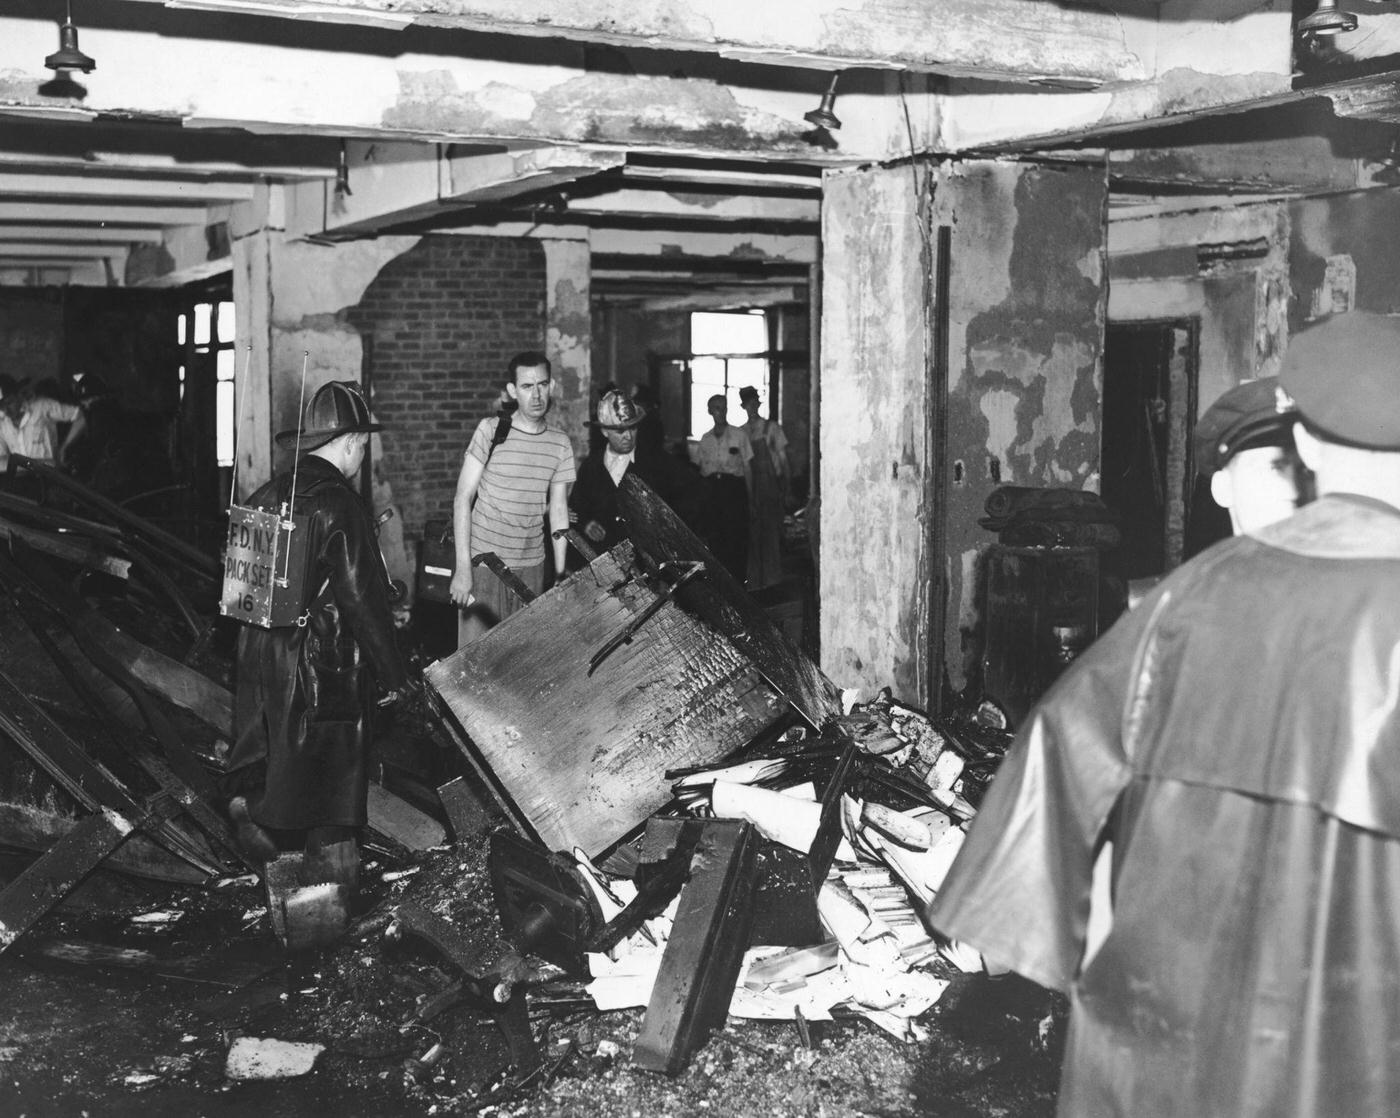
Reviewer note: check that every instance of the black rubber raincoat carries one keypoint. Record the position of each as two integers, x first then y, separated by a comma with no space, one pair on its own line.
1237,737
305,694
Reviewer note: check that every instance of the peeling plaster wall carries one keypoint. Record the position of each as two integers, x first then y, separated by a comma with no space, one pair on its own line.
1026,324
1026,341
1240,304
874,456
1342,256
311,291
569,335
314,288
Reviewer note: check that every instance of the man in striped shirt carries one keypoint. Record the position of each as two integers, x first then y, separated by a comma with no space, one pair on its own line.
503,495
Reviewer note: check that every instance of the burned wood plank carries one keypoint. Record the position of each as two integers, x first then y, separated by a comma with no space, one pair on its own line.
829,832
196,560
464,810
29,827
702,958
662,537
180,775
83,552
32,895
580,761
668,847
88,781
216,970
395,818
186,688
785,901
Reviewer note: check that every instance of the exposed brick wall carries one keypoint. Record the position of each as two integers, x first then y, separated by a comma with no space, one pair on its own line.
445,317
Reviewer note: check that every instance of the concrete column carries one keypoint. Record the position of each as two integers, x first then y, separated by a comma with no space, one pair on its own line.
1025,320
873,438
569,334
290,297
252,300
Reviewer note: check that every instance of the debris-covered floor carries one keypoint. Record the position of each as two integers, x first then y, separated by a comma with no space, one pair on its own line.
131,997
753,927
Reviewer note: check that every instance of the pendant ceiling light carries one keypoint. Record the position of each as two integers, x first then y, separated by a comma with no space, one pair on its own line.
68,57
822,116
1328,19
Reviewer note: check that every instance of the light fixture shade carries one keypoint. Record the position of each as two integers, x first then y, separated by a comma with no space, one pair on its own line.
1328,19
68,56
822,116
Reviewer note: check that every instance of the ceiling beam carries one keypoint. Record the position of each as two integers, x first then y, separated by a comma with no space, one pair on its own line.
496,177
273,77
112,214
394,185
739,248
1288,164
678,205
136,189
81,234
1111,42
677,175
25,250
145,163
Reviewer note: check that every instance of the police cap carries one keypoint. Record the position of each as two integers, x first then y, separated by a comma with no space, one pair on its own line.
1254,413
1344,376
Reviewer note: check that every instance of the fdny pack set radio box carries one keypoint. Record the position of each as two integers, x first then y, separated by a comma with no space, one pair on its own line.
265,567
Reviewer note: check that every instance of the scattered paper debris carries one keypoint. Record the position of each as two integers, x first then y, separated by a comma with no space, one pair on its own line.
140,1078
168,916
265,1058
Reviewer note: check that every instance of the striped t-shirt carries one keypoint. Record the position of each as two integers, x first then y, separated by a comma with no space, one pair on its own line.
508,517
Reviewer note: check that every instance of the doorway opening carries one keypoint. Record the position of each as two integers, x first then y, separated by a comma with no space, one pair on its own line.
1149,413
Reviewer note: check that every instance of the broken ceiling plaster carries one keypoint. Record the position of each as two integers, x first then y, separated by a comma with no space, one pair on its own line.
1184,89
596,107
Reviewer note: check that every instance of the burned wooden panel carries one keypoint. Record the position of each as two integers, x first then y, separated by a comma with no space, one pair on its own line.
27,899
36,829
701,963
718,600
580,759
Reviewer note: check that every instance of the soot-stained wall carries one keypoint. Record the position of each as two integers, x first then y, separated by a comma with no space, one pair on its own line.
1026,328
1341,256
1025,325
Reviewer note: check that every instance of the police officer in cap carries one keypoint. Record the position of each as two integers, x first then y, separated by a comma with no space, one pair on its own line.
306,692
1237,739
1244,445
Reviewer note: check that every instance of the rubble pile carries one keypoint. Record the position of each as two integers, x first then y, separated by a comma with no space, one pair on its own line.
693,830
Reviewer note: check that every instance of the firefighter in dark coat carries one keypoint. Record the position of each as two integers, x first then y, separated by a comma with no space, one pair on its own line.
593,500
306,692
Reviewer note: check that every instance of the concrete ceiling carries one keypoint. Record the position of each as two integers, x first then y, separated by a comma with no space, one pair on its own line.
670,135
